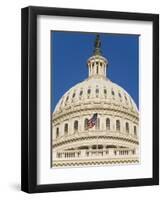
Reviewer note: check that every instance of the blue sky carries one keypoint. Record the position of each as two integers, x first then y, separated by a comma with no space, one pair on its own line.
69,54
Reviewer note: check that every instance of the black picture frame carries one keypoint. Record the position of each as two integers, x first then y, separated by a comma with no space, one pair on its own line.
29,99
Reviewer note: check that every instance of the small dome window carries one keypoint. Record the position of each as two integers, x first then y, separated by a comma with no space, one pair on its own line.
89,91
81,92
105,91
118,126
112,92
66,128
100,63
135,130
97,91
96,63
57,132
62,101
108,124
76,125
67,98
73,95
119,95
127,127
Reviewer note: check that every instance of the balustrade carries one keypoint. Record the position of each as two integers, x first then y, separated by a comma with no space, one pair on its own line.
95,153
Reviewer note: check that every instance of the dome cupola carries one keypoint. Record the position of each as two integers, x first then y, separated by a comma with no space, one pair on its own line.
97,64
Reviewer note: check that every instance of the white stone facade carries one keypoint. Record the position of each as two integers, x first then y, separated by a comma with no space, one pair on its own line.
115,137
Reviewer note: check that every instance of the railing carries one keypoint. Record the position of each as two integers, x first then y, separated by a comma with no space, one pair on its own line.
95,153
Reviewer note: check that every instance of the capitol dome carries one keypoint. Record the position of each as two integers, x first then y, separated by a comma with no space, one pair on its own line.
114,137
96,89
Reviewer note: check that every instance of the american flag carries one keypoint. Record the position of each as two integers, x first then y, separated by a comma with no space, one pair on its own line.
91,122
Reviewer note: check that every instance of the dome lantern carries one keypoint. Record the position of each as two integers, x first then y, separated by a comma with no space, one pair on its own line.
97,64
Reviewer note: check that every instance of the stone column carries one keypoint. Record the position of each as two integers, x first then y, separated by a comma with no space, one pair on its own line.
89,70
105,69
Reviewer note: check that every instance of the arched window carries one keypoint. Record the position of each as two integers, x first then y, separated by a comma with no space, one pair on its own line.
135,130
108,124
127,127
118,125
57,132
86,124
112,92
81,92
76,125
67,98
97,125
105,91
73,95
97,91
62,101
66,128
89,91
